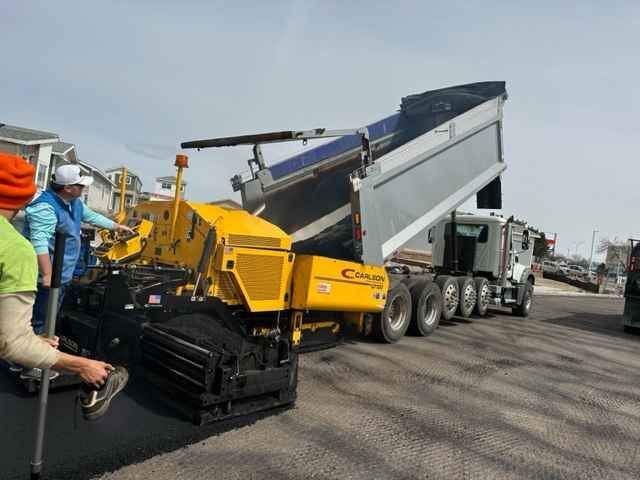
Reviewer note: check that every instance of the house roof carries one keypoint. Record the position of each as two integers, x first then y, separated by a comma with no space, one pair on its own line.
26,136
95,171
62,148
169,180
118,169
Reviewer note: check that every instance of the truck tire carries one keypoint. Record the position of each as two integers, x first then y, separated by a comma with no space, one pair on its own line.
450,295
524,308
482,296
427,308
392,323
467,296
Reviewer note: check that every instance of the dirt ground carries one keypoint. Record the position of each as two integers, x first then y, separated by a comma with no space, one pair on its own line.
554,396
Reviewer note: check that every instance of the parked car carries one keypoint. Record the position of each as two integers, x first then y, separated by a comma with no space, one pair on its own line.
549,266
576,271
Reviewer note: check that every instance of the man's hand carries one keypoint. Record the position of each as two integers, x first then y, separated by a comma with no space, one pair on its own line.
95,372
118,227
54,342
46,280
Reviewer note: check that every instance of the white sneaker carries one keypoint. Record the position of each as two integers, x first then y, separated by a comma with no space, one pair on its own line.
36,374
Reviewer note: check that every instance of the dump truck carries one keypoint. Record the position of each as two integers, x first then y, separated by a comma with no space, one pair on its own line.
213,305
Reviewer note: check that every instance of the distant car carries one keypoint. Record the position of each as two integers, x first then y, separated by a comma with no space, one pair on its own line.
576,271
549,266
563,269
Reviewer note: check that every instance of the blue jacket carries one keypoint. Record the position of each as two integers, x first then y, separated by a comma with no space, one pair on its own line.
69,218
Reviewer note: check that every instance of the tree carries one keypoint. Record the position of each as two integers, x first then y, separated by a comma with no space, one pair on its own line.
540,247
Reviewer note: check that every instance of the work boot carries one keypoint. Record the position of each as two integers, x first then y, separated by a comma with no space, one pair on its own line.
95,402
36,374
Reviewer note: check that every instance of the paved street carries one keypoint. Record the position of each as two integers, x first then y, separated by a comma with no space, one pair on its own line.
554,396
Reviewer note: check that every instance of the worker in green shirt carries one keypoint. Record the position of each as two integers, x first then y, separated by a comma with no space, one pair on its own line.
18,276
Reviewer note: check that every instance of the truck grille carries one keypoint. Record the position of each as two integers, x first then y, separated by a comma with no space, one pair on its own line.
238,240
224,289
261,275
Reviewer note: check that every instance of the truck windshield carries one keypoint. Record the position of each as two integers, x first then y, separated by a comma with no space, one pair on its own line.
480,232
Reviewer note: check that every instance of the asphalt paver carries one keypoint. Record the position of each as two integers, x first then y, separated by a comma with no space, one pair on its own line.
553,396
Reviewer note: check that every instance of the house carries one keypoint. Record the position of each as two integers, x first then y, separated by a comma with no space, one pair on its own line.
133,188
97,196
34,145
63,153
227,204
166,186
165,189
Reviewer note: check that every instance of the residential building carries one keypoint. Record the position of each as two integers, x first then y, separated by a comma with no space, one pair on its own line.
63,153
227,203
165,189
34,145
133,188
97,196
166,186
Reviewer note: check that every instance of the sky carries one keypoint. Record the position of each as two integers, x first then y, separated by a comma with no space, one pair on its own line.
127,81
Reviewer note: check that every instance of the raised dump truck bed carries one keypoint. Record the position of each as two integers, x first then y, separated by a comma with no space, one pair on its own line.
443,147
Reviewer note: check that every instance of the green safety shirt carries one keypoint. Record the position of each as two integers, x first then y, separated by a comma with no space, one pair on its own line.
18,262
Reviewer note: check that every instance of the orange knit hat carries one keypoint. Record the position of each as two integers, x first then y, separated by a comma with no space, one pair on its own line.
16,181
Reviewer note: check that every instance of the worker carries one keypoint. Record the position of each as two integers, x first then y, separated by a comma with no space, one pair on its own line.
60,207
18,275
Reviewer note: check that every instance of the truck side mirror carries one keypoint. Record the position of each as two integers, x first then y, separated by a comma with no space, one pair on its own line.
525,240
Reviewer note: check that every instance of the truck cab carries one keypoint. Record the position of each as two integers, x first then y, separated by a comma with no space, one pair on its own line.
487,247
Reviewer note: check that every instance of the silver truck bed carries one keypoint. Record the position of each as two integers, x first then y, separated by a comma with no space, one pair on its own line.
443,147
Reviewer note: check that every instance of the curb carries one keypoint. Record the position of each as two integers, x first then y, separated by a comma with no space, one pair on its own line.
560,293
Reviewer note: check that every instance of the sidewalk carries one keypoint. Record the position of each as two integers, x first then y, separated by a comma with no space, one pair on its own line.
545,286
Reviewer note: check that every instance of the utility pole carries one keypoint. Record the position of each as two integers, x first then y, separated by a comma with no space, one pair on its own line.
593,239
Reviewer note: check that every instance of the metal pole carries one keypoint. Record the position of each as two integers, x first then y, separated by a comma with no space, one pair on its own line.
593,239
181,163
123,193
52,312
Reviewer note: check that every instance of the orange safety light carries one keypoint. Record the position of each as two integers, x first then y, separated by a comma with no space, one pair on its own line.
182,161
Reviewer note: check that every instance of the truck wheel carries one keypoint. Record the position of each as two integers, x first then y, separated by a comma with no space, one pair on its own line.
483,296
450,296
524,308
427,308
467,296
390,325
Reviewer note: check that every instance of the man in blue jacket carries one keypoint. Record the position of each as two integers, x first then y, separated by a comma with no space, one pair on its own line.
60,207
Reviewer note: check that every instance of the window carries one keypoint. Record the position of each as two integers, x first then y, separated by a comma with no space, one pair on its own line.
116,179
182,188
42,175
166,186
128,179
127,201
481,232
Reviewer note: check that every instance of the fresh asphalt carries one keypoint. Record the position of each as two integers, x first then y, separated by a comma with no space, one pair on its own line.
137,426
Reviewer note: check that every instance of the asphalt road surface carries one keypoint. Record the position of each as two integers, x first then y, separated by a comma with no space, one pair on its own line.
553,396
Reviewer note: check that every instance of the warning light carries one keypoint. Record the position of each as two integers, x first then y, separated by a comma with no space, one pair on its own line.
357,232
356,218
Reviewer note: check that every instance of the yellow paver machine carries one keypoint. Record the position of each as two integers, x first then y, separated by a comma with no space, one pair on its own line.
210,304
